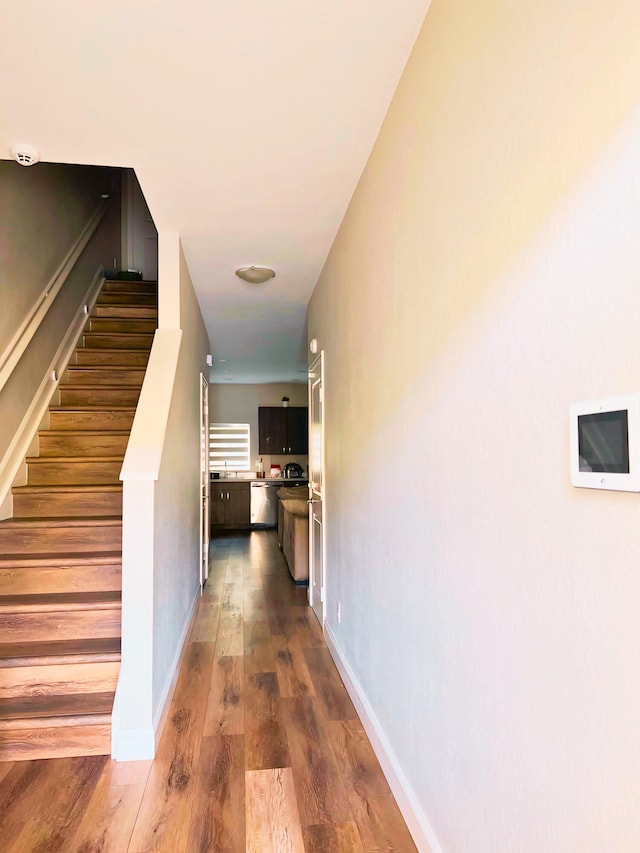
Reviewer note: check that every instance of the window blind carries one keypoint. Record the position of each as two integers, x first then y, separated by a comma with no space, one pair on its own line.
229,447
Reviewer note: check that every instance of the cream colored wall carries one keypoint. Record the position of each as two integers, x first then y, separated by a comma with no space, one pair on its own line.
177,496
240,403
43,210
486,276
161,519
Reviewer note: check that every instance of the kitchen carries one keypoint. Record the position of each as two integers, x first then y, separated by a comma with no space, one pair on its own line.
270,433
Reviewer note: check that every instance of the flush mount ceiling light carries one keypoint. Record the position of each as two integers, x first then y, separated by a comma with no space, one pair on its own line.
255,275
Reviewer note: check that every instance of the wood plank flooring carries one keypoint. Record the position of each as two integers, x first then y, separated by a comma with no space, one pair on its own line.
262,750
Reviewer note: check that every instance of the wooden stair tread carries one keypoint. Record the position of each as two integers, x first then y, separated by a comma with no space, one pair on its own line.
55,602
121,334
128,300
131,281
52,652
105,292
101,408
34,460
108,351
80,705
81,386
81,488
77,558
116,307
65,433
105,368
127,294
78,521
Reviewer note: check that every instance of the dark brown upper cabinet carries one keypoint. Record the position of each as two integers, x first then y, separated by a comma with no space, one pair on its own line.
283,430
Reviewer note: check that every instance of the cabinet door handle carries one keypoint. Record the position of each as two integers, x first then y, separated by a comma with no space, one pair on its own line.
227,495
220,495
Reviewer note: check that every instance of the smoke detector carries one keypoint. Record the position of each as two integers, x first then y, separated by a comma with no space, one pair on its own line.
24,154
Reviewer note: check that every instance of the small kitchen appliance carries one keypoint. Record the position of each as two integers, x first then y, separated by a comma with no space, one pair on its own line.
293,471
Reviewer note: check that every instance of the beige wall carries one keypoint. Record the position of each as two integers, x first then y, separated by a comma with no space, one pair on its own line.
486,276
240,403
161,518
43,210
177,495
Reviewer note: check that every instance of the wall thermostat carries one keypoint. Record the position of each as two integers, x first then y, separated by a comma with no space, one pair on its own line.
605,443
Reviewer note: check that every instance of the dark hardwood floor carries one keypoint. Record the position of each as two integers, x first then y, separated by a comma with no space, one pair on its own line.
262,750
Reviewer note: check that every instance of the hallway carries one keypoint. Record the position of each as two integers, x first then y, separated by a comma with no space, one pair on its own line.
262,750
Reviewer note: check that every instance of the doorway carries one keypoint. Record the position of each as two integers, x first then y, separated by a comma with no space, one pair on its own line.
316,488
204,480
139,234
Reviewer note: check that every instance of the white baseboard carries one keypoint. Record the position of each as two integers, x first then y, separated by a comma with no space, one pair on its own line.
17,450
133,744
421,830
160,716
141,744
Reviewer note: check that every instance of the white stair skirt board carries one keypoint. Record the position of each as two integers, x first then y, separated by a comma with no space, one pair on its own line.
141,744
420,828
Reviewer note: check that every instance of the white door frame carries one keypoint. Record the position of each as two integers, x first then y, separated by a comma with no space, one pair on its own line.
317,373
204,480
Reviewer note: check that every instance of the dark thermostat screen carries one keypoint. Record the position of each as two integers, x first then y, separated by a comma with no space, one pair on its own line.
603,442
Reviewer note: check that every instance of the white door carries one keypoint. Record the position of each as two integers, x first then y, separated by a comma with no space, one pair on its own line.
204,480
316,488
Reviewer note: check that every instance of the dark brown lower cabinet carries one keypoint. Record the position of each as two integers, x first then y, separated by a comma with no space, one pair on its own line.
230,505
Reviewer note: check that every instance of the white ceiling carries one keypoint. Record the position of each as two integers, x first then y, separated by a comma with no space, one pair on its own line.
248,124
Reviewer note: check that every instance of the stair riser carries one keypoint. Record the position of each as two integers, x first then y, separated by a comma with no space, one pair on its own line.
29,744
91,420
108,324
71,505
68,540
125,312
80,375
115,341
149,287
67,625
58,679
119,358
73,473
70,396
49,579
141,300
82,445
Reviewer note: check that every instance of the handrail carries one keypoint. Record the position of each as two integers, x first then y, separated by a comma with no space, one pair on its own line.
146,441
29,326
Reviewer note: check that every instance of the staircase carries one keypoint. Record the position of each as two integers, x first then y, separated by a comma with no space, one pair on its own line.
61,553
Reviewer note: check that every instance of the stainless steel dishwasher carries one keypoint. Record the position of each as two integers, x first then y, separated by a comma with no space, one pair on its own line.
264,504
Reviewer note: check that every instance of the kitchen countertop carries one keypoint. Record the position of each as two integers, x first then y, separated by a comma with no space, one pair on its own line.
285,481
